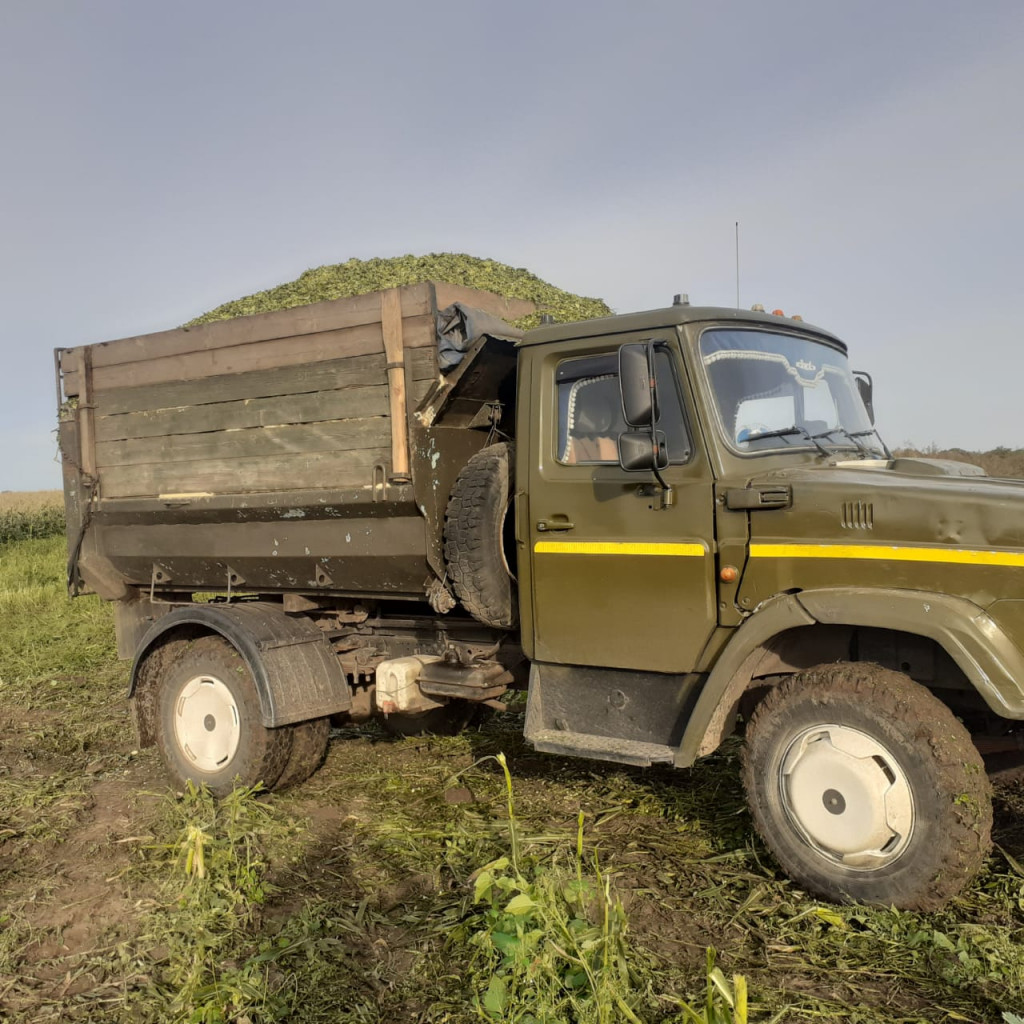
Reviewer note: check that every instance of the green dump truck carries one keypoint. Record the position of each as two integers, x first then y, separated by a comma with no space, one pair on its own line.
667,526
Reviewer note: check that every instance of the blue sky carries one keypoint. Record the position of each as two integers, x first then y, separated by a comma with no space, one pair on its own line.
159,159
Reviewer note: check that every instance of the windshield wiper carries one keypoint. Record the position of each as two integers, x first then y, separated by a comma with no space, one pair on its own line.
793,431
854,437
868,433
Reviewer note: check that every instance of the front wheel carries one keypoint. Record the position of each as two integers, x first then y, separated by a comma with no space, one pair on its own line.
865,787
209,727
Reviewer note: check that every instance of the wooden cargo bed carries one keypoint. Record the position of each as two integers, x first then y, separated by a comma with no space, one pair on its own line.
225,422
282,401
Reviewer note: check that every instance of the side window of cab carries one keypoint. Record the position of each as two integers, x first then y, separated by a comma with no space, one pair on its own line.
590,410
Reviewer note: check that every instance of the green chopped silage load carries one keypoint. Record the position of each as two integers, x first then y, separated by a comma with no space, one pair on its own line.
357,277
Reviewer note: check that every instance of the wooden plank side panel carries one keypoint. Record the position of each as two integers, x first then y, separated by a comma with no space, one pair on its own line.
332,470
278,354
341,435
330,375
316,318
70,371
496,305
417,331
265,355
314,407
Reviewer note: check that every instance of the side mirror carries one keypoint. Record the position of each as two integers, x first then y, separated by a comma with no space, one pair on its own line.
637,384
640,452
865,387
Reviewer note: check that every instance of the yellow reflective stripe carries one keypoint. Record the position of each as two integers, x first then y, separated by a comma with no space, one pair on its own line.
952,556
576,547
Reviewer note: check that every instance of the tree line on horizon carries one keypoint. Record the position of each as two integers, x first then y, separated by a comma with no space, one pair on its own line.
1001,461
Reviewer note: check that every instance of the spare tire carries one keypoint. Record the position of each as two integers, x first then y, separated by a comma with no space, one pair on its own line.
475,542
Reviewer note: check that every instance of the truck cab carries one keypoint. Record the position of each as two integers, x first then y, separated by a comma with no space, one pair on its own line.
764,543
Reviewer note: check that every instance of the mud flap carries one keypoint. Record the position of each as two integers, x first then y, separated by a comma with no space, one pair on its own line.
297,674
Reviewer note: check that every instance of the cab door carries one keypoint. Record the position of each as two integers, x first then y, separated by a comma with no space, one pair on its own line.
615,579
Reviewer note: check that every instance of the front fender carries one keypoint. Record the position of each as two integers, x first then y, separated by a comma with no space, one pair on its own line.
712,717
990,660
986,655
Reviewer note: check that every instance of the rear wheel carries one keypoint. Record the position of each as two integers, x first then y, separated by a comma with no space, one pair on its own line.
209,727
309,746
865,787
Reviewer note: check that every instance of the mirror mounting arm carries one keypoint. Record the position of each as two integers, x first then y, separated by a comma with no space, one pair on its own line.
668,494
643,447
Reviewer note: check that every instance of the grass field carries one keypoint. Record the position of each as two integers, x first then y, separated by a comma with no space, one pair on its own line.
413,880
28,514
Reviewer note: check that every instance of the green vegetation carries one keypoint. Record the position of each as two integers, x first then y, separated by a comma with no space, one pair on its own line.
357,277
25,515
431,880
551,938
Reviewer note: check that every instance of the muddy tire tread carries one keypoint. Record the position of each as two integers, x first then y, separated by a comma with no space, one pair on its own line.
263,752
309,747
964,839
473,536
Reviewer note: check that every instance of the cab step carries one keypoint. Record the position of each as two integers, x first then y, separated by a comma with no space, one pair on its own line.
601,748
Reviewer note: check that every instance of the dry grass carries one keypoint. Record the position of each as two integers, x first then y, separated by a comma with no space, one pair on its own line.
29,501
30,515
998,462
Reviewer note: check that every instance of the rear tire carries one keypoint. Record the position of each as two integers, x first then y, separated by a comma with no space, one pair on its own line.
865,787
309,746
209,727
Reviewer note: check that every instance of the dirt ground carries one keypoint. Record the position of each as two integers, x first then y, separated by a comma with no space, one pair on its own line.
677,847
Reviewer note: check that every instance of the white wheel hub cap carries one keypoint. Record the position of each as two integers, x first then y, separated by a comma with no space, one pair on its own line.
847,796
206,723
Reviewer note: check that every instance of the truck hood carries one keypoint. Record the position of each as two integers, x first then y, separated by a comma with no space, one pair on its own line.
908,523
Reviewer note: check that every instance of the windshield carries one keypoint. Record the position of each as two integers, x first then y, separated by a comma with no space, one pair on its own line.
777,391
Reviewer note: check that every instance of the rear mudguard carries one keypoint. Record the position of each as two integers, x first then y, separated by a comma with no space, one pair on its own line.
297,674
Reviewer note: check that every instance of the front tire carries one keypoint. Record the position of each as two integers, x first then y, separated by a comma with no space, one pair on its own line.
209,727
865,787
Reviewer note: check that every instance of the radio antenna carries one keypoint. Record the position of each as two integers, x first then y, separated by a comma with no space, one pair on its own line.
737,264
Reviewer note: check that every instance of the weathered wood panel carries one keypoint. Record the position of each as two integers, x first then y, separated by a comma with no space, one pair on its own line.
392,329
496,305
350,324
354,371
87,416
313,407
306,348
326,470
341,435
70,366
316,318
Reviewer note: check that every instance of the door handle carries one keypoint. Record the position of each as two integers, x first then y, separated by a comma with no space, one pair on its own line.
549,525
